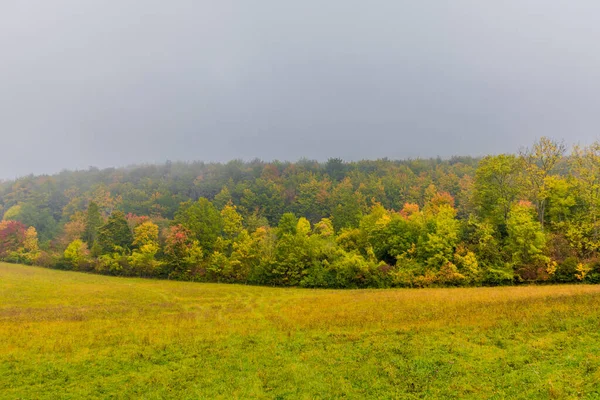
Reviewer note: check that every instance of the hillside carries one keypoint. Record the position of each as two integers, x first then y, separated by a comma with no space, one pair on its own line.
73,335
504,219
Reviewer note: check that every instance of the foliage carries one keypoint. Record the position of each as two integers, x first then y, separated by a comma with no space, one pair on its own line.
30,250
497,186
12,237
182,252
533,217
143,258
526,241
115,235
93,222
77,255
202,219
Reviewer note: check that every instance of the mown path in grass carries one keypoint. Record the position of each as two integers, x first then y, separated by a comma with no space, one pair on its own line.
74,335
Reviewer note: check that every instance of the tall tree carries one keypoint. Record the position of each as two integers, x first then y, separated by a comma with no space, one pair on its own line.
336,169
204,221
182,252
540,161
115,235
347,205
12,237
93,221
526,241
585,167
497,186
30,251
143,258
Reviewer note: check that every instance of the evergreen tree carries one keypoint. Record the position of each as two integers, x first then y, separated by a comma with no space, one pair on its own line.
93,221
115,235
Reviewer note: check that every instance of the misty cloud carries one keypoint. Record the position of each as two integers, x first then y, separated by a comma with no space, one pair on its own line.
111,83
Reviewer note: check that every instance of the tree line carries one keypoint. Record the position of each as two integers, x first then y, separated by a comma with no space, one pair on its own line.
501,219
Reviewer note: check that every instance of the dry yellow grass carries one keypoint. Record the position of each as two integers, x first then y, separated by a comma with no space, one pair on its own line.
73,335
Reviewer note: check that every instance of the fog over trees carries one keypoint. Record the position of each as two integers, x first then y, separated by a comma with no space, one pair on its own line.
501,219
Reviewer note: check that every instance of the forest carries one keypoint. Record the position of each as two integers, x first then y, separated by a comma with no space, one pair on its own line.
464,221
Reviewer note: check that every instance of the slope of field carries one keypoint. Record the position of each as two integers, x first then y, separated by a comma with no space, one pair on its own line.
73,335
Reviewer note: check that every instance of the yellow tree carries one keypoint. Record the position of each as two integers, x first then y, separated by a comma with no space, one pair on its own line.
143,258
539,162
585,168
77,254
30,252
526,241
12,213
232,221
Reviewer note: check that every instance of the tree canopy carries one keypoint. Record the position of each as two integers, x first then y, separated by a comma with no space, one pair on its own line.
501,219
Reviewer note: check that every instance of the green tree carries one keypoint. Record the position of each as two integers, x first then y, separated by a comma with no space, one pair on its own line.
115,235
313,199
442,239
540,161
222,198
526,241
293,251
585,168
243,259
482,239
36,213
204,221
347,205
561,198
232,222
93,221
262,256
288,225
336,168
497,186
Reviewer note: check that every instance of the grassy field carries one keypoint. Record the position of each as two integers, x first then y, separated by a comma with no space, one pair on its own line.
73,335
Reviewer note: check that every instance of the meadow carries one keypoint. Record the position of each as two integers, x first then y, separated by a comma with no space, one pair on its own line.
74,335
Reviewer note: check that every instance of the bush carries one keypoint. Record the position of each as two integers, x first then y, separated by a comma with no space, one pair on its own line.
566,270
499,276
406,273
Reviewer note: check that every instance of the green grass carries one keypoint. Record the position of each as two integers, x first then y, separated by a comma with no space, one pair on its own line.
74,335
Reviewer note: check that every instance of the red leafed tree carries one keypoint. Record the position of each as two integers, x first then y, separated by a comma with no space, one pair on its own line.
181,249
177,242
442,198
12,237
136,220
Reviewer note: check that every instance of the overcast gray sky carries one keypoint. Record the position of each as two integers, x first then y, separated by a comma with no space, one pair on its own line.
115,82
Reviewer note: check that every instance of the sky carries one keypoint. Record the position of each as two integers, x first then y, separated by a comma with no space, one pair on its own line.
115,82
